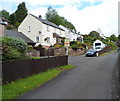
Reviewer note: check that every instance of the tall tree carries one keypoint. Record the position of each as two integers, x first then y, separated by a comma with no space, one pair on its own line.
113,38
53,16
94,34
21,12
4,14
12,18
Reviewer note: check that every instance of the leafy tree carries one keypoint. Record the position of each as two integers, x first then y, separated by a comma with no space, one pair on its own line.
4,14
53,16
21,12
113,38
94,34
12,18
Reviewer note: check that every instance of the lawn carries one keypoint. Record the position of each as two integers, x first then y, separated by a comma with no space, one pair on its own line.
18,87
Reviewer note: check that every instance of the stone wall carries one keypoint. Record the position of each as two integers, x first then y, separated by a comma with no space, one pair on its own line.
72,52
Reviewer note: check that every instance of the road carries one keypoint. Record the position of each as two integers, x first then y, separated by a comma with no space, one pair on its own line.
90,79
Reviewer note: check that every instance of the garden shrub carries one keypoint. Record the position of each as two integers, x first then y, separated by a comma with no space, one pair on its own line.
75,47
13,48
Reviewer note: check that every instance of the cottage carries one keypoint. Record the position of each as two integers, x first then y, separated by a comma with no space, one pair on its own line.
72,35
98,45
41,31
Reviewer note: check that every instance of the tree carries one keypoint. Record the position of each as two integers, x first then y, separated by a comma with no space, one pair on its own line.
53,16
12,18
21,12
94,34
113,38
4,14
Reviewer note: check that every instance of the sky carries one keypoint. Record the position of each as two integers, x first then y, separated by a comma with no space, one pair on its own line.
85,15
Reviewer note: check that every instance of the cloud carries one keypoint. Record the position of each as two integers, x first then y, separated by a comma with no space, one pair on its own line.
86,15
103,16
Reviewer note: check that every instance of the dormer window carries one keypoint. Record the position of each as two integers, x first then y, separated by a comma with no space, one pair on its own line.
28,28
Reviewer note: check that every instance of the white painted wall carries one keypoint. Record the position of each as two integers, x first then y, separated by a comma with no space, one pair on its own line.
102,45
36,26
30,27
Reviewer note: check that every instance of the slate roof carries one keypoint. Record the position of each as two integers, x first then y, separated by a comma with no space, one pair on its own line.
47,22
18,34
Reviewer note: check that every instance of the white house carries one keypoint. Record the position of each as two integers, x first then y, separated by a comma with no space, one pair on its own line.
98,45
72,35
41,31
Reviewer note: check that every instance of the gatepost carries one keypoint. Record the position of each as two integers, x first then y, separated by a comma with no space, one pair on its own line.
67,44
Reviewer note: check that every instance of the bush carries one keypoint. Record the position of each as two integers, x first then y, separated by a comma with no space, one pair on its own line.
111,44
16,43
75,47
13,48
58,46
10,27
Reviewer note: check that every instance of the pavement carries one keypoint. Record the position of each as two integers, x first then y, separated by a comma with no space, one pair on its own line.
92,78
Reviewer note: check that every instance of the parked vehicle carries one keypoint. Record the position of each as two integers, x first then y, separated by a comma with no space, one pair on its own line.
91,52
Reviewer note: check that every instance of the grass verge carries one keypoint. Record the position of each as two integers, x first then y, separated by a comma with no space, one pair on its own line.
107,53
18,87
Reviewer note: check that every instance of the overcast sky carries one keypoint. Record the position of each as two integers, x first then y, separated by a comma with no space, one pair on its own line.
86,15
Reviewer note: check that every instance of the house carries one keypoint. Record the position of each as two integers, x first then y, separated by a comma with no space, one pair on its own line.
72,35
98,45
41,31
2,28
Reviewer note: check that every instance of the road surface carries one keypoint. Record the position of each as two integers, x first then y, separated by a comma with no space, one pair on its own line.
90,79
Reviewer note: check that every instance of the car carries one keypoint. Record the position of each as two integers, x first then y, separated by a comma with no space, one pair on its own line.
92,52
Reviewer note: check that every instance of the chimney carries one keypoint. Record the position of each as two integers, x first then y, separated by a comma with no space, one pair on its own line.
40,16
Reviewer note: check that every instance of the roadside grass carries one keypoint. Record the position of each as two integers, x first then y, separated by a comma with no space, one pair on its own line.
18,87
107,53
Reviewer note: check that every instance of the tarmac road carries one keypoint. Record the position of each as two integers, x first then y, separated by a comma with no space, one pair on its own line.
91,79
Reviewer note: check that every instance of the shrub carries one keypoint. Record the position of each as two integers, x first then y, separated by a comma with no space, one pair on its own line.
13,48
10,27
111,44
58,46
29,48
16,43
75,47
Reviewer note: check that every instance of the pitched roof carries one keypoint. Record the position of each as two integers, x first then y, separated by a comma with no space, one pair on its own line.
1,22
47,22
19,35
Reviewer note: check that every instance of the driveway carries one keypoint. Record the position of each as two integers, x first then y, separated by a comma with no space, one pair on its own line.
91,79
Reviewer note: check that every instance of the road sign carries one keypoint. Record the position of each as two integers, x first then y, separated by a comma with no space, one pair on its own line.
67,42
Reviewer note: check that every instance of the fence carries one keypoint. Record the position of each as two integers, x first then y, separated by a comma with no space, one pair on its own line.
104,50
21,69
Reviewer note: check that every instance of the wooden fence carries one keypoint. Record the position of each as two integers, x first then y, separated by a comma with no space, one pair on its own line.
14,70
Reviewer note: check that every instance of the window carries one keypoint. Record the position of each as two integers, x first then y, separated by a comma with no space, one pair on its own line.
37,39
60,32
28,28
39,32
48,39
47,28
